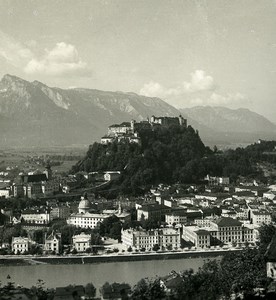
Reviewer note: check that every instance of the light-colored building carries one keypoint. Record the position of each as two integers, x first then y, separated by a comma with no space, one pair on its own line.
199,237
86,220
217,180
5,192
20,244
203,222
260,217
176,217
53,242
228,230
165,237
250,233
35,216
123,128
81,242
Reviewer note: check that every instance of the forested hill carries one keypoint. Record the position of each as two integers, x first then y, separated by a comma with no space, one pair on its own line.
163,155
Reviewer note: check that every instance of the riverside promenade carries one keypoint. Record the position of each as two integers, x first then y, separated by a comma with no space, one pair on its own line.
14,260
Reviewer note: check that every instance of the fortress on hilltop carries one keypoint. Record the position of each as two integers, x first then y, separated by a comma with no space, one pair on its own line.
129,130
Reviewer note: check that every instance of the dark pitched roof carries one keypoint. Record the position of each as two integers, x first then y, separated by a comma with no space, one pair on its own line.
33,178
227,222
202,232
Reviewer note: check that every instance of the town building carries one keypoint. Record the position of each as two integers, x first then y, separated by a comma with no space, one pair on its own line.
213,180
20,244
228,230
81,242
59,212
176,218
200,237
35,216
152,211
17,190
260,217
5,192
164,238
86,220
53,243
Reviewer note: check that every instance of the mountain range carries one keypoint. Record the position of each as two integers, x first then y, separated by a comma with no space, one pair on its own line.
33,114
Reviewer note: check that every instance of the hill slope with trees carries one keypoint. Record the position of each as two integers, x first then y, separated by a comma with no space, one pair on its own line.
163,155
173,154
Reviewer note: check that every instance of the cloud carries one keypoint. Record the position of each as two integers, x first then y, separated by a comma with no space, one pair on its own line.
199,82
155,89
63,59
200,90
215,99
14,52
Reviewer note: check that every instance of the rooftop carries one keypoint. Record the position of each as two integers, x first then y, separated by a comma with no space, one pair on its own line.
227,222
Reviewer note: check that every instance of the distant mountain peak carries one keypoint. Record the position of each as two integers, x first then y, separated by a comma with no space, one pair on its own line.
225,119
32,113
12,78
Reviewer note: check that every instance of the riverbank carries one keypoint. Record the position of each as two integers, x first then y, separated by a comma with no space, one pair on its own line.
21,260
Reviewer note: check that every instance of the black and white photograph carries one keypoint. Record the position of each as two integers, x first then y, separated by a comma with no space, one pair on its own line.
137,149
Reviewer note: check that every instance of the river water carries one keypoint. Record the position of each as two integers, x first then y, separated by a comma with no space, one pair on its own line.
97,273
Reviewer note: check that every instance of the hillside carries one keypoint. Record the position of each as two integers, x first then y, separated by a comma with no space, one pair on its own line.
166,154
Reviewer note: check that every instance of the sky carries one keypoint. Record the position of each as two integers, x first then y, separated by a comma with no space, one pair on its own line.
187,52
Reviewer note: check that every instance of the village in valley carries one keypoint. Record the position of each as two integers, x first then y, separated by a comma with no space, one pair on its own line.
38,208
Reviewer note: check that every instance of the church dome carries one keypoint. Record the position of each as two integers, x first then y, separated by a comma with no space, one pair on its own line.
84,205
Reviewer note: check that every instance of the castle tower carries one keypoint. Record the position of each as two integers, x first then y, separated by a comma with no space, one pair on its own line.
48,171
132,125
182,121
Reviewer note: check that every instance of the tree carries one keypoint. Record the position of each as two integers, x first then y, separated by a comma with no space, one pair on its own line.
266,234
38,236
111,227
90,290
169,247
155,247
147,289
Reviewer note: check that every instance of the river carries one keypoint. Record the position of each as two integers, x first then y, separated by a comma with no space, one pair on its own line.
97,273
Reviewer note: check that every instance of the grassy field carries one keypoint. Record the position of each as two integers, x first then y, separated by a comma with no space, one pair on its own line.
31,159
